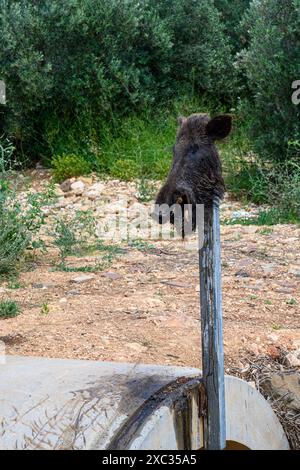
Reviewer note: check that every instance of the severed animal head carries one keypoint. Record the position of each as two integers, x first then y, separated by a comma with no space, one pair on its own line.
196,173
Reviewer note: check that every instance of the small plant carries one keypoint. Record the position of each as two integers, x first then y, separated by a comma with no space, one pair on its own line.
68,165
146,190
140,245
14,284
268,302
266,231
291,302
9,309
74,235
276,327
45,309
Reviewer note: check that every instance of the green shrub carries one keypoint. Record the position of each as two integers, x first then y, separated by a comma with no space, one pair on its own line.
19,225
73,235
231,14
9,309
271,64
67,70
66,166
125,169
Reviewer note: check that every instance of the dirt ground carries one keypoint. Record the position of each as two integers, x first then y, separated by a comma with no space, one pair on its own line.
145,306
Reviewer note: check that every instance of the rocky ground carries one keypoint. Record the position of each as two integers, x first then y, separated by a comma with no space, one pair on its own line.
143,306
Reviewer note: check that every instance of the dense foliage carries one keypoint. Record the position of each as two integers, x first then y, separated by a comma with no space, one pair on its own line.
272,63
97,85
68,61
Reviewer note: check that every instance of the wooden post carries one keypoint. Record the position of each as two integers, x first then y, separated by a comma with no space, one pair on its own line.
211,324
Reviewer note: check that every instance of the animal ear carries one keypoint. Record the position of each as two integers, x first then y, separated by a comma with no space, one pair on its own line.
219,127
181,120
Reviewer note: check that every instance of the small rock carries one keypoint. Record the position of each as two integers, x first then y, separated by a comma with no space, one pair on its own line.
273,337
36,285
284,290
295,272
66,186
268,268
73,292
176,284
112,275
95,191
273,351
285,386
136,347
242,273
296,344
241,215
293,358
254,349
78,187
83,278
87,179
63,300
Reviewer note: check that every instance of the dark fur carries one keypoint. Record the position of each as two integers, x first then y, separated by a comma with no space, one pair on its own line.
196,173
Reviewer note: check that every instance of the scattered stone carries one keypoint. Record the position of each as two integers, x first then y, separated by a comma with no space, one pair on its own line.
86,179
112,275
63,300
136,347
66,186
241,215
269,268
73,292
36,285
58,191
244,263
254,349
296,344
78,187
284,290
295,272
83,278
273,337
95,190
273,351
176,284
293,358
285,386
255,287
242,273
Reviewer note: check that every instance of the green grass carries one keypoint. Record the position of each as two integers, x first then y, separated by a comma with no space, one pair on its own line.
268,217
9,309
139,146
45,309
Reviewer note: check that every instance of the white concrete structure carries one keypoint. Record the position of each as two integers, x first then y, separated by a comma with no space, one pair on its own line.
71,404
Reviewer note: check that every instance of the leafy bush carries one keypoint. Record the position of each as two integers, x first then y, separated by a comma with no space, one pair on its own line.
73,235
125,169
271,64
9,309
67,70
19,223
66,166
231,14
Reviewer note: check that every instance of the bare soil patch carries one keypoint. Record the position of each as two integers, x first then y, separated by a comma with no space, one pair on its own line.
144,307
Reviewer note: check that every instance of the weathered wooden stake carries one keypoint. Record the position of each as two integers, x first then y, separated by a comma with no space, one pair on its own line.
211,324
